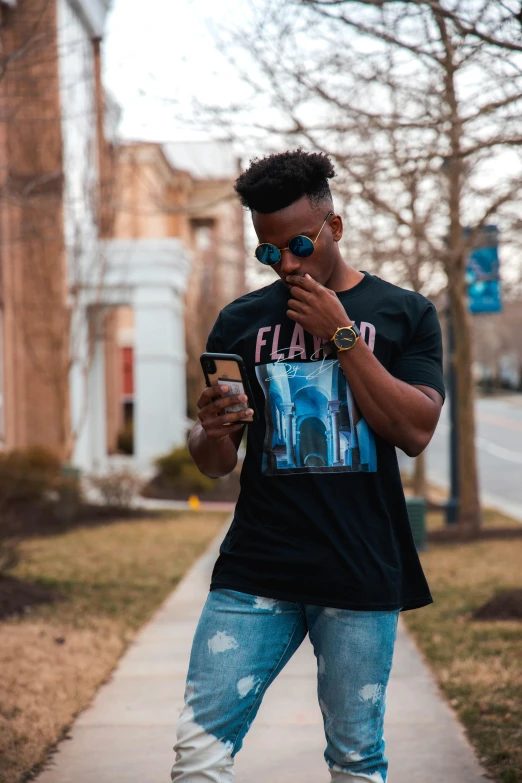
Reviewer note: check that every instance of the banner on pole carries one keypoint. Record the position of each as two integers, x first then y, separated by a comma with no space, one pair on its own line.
483,274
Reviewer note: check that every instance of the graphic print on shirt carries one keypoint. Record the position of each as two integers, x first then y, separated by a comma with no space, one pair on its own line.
313,424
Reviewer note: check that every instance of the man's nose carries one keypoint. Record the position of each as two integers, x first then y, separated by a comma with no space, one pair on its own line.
289,263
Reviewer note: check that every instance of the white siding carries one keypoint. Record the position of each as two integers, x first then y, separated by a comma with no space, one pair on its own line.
77,93
85,263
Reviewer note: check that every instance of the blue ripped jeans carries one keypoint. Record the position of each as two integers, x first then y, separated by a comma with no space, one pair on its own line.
241,644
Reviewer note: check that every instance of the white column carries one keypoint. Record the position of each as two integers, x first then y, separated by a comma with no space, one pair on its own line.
97,409
150,275
88,409
160,403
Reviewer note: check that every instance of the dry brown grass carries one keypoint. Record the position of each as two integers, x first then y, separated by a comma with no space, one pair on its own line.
478,664
53,660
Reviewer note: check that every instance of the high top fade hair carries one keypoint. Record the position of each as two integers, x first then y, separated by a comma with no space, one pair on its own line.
276,181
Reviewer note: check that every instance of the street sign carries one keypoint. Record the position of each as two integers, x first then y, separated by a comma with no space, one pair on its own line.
482,273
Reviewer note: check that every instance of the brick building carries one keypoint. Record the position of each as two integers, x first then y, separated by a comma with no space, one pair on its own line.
96,244
51,117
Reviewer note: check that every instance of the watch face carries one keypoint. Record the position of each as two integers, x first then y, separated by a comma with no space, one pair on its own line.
344,338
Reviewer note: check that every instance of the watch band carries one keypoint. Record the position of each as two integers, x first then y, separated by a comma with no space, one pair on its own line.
329,348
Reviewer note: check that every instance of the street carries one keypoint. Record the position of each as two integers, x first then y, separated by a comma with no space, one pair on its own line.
499,450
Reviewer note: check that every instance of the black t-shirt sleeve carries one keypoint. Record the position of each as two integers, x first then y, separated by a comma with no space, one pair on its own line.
215,340
420,363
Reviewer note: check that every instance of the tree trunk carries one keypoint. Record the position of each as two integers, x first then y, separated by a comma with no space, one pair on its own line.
469,512
469,516
419,476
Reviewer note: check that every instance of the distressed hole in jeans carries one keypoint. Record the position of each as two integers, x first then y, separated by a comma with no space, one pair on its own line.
245,685
372,692
221,642
267,603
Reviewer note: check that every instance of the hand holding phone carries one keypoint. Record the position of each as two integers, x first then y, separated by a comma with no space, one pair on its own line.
224,405
234,389
216,423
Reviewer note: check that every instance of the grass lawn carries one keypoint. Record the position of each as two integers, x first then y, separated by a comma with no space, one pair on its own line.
478,664
53,660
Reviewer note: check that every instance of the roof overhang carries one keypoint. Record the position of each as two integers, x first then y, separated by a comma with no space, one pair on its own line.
93,12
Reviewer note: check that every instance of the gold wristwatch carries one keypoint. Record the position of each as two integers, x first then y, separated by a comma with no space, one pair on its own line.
344,338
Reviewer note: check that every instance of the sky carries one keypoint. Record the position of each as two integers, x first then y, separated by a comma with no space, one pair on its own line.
158,55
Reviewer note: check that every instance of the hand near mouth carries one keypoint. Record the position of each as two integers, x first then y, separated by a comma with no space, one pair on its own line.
316,308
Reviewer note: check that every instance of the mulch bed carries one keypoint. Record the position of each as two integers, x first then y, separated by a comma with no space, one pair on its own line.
503,606
49,520
16,597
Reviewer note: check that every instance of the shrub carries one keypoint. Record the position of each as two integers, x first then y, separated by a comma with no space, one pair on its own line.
118,487
177,469
67,495
27,475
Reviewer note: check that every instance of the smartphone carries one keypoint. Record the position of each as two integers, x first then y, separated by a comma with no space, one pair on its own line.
228,369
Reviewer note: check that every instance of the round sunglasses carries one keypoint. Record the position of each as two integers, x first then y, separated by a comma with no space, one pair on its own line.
299,246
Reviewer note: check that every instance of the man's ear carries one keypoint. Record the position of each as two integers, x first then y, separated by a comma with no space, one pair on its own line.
336,227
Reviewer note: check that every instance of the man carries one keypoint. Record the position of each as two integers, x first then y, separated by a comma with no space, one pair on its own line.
344,368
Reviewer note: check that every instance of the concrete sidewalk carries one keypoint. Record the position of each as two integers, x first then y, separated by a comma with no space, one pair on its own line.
127,734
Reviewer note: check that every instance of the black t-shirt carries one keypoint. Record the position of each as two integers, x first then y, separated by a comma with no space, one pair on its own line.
321,517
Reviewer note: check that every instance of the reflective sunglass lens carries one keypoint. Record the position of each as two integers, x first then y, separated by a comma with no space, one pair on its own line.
268,254
301,246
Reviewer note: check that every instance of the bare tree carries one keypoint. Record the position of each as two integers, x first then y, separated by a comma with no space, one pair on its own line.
418,103
456,54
